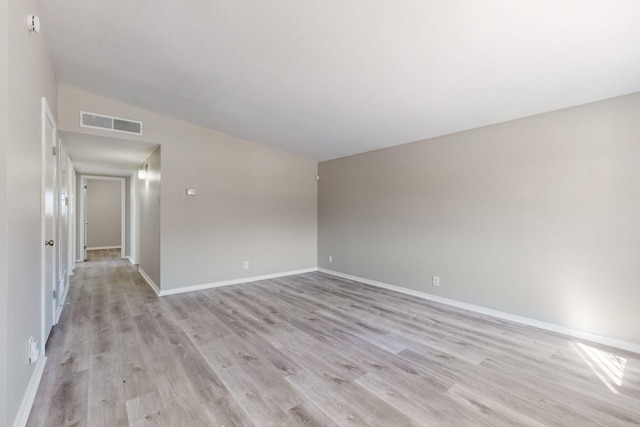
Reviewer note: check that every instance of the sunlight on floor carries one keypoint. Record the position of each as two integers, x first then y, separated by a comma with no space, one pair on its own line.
607,366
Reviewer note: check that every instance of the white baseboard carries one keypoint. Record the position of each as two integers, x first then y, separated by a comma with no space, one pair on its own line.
99,248
234,282
30,394
57,315
611,342
63,299
149,281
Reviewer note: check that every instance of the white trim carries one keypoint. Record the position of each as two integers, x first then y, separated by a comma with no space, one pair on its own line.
30,394
71,245
58,311
612,342
82,225
62,299
134,218
234,282
149,281
98,248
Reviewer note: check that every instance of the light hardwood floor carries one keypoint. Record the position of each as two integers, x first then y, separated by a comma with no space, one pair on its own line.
313,350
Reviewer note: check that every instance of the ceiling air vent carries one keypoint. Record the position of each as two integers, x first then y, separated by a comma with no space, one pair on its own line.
115,124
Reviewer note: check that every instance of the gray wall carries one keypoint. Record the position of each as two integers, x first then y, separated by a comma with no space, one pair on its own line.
253,203
536,217
3,211
29,76
150,219
104,213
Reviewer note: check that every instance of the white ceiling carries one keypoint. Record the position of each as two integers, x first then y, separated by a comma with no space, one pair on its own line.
95,155
330,78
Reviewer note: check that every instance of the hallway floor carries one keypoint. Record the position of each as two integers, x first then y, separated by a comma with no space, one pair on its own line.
312,350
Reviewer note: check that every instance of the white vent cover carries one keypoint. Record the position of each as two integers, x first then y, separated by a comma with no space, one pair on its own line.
114,124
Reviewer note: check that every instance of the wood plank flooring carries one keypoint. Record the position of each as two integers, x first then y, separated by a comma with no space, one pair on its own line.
313,350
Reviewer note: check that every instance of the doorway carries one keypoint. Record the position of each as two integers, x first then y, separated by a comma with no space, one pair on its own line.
103,214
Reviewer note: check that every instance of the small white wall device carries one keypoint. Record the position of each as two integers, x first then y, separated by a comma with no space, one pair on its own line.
34,353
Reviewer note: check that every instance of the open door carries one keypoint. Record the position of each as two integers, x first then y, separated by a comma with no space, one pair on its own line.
84,219
63,227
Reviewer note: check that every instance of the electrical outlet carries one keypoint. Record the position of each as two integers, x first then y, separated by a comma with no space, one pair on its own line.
330,258
246,265
436,281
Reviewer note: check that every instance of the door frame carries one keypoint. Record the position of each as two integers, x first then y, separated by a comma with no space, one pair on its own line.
134,217
47,115
83,212
72,217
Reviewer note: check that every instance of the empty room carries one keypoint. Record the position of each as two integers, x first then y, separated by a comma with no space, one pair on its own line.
409,213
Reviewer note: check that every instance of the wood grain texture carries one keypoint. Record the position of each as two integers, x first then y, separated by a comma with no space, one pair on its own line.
313,350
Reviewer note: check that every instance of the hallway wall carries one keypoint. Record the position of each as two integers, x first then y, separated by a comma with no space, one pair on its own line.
29,76
4,40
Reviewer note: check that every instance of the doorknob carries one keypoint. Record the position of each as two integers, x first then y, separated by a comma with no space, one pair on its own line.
49,243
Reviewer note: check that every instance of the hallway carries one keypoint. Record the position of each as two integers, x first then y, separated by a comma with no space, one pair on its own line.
93,343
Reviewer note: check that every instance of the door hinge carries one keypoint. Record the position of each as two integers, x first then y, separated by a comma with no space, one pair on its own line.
54,294
54,151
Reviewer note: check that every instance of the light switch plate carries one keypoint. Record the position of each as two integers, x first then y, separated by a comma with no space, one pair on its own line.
191,191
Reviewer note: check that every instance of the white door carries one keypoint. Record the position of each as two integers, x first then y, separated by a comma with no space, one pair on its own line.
63,228
84,216
49,222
